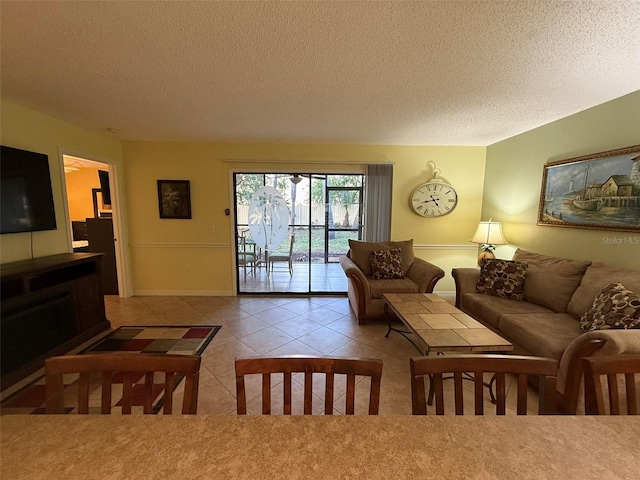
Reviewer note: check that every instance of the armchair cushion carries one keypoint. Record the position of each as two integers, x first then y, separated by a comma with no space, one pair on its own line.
396,285
386,264
360,253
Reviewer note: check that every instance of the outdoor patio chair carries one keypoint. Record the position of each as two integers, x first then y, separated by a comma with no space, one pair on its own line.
283,257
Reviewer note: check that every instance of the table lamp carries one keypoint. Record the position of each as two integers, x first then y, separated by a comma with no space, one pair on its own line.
489,234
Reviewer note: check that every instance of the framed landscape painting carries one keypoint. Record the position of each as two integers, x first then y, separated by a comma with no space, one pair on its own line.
599,191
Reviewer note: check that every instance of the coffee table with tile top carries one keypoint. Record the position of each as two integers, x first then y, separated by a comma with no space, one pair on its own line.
440,327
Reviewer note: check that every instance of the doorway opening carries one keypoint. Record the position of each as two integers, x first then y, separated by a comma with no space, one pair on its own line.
292,228
91,213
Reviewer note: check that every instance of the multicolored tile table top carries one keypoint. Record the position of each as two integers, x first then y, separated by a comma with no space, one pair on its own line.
440,327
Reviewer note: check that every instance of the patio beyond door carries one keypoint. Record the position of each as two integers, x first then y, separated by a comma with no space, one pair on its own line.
291,229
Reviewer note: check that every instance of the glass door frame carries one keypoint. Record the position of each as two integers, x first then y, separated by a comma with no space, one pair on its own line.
328,229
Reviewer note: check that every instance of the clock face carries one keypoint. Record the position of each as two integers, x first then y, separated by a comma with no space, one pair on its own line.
433,199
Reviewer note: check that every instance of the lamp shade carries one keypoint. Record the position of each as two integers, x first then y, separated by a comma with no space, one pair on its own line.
489,233
296,179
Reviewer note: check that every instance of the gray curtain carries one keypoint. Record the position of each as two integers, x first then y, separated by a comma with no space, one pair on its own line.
378,189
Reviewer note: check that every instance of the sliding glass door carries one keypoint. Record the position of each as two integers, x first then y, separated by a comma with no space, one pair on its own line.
291,229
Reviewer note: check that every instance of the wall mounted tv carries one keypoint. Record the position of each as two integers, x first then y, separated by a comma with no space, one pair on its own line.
26,198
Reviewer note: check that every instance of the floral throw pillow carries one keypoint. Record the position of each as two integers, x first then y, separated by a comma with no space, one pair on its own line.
386,264
502,278
613,307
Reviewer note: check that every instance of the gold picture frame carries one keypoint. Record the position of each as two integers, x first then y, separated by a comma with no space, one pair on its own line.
599,191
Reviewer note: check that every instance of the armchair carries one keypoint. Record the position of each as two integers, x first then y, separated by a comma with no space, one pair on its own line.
365,293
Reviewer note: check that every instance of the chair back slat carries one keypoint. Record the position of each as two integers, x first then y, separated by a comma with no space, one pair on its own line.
127,392
105,401
287,365
148,394
418,396
130,367
83,393
169,380
266,393
459,400
632,400
522,394
478,393
500,394
612,384
328,394
308,392
351,394
474,367
191,386
616,368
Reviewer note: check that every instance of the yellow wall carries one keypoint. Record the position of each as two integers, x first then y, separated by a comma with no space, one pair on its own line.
514,178
195,256
79,192
28,129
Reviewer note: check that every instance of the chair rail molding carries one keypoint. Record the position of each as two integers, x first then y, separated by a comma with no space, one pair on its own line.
179,245
444,247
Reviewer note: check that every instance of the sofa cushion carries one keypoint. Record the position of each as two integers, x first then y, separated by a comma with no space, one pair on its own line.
542,334
489,309
396,285
360,252
614,307
502,278
386,264
597,276
550,281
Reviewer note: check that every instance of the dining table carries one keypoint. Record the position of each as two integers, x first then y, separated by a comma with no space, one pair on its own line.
318,447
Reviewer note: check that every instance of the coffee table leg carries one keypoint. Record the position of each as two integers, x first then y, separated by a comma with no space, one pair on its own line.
386,312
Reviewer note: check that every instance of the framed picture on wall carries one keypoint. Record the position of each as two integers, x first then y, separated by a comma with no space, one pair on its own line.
174,199
599,191
100,209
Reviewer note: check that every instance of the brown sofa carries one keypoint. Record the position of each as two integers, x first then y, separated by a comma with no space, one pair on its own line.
557,292
365,293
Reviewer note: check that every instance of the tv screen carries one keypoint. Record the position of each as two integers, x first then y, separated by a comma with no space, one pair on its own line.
26,198
104,187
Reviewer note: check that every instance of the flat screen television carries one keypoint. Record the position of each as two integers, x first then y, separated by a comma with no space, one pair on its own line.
104,187
26,198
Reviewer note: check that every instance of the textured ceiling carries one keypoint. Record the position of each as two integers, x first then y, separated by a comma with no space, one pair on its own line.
413,73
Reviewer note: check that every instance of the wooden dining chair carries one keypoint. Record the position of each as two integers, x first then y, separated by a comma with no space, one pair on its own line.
473,368
109,369
288,365
618,369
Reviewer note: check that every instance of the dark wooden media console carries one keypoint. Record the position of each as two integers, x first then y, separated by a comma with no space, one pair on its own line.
49,306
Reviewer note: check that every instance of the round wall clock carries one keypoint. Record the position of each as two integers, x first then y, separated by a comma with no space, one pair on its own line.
434,198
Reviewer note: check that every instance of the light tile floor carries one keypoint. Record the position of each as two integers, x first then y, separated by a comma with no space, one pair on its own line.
258,326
